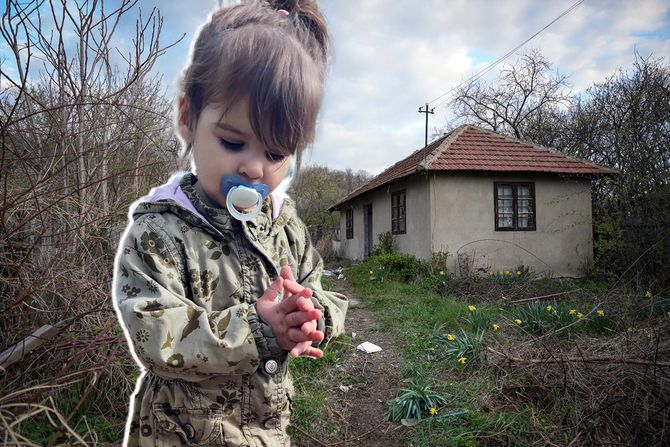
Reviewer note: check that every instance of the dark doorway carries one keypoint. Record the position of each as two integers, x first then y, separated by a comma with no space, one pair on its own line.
367,228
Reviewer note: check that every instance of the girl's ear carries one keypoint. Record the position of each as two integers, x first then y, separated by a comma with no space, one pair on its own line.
184,120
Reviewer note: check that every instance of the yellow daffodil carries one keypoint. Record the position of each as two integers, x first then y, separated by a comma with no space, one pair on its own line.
580,315
496,327
517,321
451,337
500,273
472,308
490,273
462,360
518,273
550,309
573,312
441,272
371,272
601,313
506,272
433,411
648,294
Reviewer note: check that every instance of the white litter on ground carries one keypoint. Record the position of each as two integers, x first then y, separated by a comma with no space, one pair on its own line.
368,347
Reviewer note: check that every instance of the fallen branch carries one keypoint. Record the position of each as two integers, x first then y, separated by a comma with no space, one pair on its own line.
579,360
19,350
538,298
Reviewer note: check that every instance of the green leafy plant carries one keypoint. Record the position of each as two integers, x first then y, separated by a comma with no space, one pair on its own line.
386,244
521,273
478,321
540,317
379,274
465,348
397,266
415,402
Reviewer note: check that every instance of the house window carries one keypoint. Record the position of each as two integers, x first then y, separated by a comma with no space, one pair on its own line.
398,220
514,206
350,223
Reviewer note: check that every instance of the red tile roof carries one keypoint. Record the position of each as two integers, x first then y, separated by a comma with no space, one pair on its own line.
471,148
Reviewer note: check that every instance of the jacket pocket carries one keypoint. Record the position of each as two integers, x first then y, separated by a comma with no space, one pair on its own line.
188,426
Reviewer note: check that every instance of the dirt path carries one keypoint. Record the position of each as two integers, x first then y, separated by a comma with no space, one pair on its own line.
367,380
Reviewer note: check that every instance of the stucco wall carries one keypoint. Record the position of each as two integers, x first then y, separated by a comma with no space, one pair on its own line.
463,223
418,223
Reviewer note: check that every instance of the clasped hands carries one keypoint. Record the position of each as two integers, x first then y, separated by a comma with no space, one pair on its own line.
293,320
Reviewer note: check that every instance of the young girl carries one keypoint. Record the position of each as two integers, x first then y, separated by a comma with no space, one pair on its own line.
216,280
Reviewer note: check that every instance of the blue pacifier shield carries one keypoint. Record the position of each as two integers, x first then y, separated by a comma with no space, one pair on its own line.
231,180
243,195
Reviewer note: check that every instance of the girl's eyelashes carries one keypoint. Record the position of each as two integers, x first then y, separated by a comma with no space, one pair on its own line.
237,147
230,145
275,156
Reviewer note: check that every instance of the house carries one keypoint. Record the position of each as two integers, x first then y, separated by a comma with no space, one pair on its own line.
492,202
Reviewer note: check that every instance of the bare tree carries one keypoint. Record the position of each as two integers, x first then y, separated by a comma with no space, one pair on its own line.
624,122
85,129
525,101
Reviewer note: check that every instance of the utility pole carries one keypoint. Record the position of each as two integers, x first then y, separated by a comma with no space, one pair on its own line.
427,111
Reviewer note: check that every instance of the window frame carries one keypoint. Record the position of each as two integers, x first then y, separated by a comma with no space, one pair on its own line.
515,211
395,205
349,218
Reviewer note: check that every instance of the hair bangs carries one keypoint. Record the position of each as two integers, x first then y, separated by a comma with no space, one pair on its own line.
282,85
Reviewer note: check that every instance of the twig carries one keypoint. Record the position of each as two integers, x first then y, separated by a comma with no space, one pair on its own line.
310,436
579,359
358,438
523,300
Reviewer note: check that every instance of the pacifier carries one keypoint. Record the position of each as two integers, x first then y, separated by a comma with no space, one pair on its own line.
243,195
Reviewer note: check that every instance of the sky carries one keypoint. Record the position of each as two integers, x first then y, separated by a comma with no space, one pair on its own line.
391,57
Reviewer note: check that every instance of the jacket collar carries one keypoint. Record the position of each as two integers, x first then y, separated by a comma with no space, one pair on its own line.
179,195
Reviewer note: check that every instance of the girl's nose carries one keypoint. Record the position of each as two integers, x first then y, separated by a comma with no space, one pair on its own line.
251,167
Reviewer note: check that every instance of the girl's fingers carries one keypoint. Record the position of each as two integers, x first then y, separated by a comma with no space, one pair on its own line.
294,303
273,290
296,289
297,319
311,351
298,336
287,273
306,349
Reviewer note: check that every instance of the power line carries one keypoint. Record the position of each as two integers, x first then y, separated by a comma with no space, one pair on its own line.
508,54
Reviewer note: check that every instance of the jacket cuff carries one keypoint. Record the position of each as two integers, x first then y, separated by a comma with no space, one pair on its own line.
321,322
266,341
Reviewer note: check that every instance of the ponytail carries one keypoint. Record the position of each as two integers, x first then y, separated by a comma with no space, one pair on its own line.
310,24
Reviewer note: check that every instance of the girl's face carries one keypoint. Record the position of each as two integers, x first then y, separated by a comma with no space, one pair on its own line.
226,144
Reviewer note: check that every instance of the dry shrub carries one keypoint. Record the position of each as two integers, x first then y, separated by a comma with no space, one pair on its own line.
78,146
325,249
611,391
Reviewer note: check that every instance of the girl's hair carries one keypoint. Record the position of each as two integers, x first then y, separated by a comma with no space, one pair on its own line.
278,62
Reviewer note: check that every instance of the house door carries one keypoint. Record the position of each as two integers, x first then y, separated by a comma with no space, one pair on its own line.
367,228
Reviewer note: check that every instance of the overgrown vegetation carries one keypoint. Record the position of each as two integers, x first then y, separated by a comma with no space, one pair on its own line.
522,360
84,133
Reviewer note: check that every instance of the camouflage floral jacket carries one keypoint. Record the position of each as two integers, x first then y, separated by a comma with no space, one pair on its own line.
186,279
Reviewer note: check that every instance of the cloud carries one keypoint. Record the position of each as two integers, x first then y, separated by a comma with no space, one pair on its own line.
390,57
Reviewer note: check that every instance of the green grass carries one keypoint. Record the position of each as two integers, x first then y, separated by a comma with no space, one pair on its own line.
425,312
313,379
89,419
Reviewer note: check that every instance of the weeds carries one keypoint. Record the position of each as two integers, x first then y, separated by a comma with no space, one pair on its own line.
415,403
551,361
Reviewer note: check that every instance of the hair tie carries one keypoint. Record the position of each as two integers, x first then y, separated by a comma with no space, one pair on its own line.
283,11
